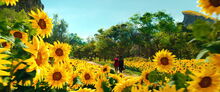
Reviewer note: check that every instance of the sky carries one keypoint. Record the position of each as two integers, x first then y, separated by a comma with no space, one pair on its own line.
85,17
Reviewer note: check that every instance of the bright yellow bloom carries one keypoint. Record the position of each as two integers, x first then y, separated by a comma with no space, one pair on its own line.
87,77
40,53
169,88
42,23
124,85
3,62
73,81
5,44
145,76
207,81
57,76
20,35
210,6
215,60
11,2
99,84
60,51
84,90
164,60
139,88
115,77
105,69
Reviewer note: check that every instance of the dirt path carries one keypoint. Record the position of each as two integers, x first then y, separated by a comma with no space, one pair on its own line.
111,68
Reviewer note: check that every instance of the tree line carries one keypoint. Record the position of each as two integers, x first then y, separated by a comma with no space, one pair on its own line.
140,36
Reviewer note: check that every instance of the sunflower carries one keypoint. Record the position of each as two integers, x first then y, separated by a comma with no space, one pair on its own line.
87,77
215,60
145,76
210,6
105,69
42,23
60,51
40,53
125,86
73,81
101,84
57,76
169,88
84,90
11,2
139,88
3,62
115,77
207,81
5,44
164,60
20,35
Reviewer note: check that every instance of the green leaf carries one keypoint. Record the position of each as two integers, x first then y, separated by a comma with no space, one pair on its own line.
202,53
180,80
214,47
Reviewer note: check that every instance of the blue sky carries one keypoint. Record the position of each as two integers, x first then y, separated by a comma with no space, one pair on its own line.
85,17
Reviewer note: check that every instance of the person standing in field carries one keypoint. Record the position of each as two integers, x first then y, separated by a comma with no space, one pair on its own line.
121,64
116,64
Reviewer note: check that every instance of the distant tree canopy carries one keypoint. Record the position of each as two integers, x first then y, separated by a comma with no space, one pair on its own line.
142,36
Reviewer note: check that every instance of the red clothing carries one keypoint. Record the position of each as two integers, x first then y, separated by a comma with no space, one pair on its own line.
116,64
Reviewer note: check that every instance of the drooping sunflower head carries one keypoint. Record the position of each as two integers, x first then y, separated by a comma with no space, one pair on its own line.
115,77
11,2
215,60
210,6
20,35
145,76
87,77
42,23
125,86
5,44
164,59
57,76
39,51
60,51
101,84
207,81
73,79
105,69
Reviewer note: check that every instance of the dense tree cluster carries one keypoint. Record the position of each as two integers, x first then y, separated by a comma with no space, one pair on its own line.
142,36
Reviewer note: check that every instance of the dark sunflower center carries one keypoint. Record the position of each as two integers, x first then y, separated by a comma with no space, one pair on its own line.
164,61
205,82
215,3
146,76
18,35
42,24
87,76
57,76
59,52
39,59
105,69
4,44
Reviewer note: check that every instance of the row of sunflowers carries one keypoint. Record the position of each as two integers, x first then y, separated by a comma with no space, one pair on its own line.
28,64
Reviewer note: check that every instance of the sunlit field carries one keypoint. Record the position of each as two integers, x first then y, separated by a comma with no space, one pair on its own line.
159,54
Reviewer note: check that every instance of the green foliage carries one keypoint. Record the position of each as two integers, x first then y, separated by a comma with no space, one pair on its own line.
12,20
180,80
142,36
208,34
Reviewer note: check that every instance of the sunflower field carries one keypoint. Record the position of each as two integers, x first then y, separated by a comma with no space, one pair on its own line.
30,64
